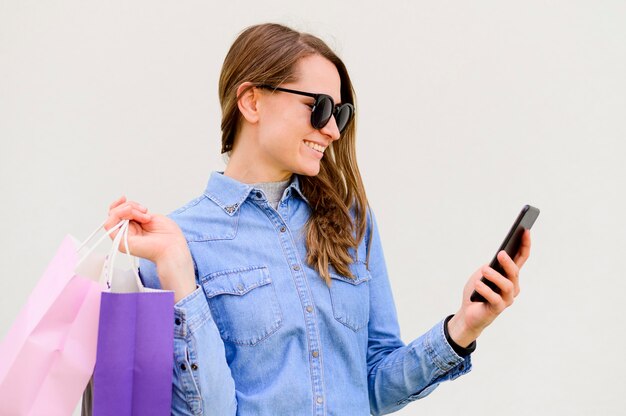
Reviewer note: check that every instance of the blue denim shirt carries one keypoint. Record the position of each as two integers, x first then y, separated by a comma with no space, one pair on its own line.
264,335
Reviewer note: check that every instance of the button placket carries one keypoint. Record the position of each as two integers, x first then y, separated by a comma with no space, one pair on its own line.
298,275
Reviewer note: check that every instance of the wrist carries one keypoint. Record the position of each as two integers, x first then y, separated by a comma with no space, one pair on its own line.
176,273
460,333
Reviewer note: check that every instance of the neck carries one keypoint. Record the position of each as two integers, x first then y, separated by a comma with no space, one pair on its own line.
248,165
251,177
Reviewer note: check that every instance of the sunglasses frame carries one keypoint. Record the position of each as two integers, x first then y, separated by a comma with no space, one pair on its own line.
318,97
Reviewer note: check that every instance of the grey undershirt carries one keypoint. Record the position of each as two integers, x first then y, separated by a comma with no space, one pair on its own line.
273,190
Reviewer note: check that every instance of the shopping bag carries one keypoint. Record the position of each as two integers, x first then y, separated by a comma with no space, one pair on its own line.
49,353
135,353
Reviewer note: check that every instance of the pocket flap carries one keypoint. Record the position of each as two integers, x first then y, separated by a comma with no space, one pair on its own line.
235,282
358,269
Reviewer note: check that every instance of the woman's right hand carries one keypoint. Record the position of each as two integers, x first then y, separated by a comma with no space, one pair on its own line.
159,239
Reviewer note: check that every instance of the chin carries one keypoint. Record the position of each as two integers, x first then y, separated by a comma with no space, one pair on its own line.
309,170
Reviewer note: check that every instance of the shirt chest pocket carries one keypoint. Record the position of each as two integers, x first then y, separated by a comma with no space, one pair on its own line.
243,303
351,297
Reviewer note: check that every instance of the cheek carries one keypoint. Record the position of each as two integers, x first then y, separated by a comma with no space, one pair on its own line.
284,125
288,129
275,118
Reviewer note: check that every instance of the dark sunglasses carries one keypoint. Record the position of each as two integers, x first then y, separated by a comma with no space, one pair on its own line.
323,109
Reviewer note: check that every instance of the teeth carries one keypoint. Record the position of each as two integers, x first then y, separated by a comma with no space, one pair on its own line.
315,146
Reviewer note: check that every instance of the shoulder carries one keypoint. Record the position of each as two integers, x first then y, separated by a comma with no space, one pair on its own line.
201,219
370,219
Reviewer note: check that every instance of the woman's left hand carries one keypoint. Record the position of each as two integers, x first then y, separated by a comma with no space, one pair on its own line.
473,317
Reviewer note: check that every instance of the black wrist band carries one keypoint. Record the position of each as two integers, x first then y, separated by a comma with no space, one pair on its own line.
461,351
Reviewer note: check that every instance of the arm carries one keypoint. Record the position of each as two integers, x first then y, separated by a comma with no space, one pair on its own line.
398,373
202,381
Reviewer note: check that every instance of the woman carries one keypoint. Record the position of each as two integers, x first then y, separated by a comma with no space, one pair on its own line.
283,302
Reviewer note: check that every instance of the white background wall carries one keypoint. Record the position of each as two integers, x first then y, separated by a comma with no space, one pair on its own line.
466,111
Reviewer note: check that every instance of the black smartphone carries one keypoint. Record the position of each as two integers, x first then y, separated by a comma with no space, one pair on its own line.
511,244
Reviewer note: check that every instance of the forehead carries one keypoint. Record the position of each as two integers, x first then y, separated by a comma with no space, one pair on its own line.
318,75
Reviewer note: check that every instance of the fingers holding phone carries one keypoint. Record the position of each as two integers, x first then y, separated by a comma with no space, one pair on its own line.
493,287
499,290
505,283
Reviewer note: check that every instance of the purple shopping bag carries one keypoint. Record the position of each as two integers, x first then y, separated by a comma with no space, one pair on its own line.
134,360
135,352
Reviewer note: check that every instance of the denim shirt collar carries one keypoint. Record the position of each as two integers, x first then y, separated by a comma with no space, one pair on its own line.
229,193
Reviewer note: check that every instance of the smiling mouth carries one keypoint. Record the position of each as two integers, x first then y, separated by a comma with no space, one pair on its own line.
315,146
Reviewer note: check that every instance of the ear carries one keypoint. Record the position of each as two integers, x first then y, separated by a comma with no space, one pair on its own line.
247,102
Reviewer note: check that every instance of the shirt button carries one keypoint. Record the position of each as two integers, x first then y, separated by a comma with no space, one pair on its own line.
183,367
194,367
296,267
309,309
177,321
315,354
258,195
319,400
240,287
283,229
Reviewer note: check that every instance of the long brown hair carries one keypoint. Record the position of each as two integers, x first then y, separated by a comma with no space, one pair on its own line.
267,54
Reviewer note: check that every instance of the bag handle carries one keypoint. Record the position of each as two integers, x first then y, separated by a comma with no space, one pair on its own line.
97,243
93,234
110,261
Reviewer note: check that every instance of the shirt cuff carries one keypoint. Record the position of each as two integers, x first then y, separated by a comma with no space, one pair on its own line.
461,351
190,313
441,353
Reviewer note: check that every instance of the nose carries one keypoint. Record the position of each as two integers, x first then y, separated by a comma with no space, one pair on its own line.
331,130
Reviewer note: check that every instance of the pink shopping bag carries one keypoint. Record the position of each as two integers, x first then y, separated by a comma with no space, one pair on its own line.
49,353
